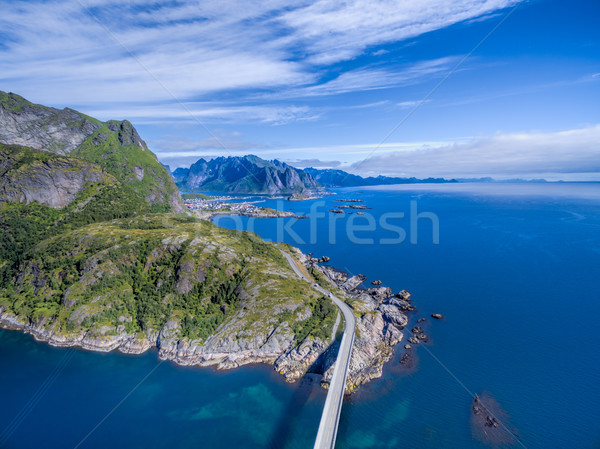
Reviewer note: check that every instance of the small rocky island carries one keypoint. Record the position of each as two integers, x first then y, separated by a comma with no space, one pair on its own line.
304,196
353,206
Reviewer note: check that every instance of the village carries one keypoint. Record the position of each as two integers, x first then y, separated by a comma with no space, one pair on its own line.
220,204
207,207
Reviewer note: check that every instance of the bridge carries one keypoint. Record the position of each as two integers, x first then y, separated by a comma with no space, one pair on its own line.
335,396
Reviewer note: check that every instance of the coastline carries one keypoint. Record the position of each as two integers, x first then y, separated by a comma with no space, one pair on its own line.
402,399
380,320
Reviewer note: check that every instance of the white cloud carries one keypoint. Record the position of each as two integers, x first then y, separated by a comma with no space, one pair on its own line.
183,146
207,112
374,104
411,104
375,78
566,155
315,163
572,154
55,52
334,31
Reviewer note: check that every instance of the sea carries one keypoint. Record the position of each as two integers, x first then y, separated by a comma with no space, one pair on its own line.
513,268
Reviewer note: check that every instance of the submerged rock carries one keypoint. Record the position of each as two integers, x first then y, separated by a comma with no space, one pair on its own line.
490,423
423,337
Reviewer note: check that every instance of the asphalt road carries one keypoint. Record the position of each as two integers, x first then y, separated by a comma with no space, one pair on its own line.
335,396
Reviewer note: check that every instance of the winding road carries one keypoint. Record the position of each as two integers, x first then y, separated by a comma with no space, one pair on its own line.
335,396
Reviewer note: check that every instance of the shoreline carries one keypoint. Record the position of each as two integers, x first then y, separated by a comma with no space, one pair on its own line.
379,322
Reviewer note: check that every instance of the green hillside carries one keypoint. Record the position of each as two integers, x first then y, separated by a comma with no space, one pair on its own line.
133,275
95,243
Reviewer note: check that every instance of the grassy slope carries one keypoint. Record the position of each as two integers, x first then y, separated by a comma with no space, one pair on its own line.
106,261
23,225
141,272
105,149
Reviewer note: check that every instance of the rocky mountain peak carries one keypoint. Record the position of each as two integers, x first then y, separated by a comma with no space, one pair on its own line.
42,128
246,174
127,134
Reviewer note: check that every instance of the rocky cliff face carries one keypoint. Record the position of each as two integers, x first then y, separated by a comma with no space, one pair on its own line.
56,181
248,174
380,321
115,147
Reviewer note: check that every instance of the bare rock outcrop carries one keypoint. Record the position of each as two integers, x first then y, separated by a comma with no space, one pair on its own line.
335,275
380,294
380,320
394,315
55,182
353,282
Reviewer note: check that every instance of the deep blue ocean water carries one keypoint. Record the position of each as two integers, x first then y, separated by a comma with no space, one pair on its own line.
516,275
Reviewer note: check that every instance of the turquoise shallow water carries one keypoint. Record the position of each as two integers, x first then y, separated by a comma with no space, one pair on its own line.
515,273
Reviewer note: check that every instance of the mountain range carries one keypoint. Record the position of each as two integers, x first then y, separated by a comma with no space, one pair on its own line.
251,174
247,174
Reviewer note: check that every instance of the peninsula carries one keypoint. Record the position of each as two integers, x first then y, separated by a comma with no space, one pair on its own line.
98,251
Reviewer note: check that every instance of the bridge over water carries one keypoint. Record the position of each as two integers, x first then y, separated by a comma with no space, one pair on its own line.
335,395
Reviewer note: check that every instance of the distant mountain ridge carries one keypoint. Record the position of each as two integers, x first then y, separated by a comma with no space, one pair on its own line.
246,174
340,178
251,174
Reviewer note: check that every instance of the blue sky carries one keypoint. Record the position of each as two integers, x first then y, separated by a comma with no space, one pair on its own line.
326,83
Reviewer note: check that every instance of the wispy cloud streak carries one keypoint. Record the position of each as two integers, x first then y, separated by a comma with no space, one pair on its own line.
55,52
